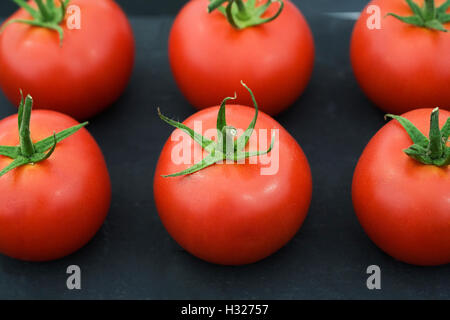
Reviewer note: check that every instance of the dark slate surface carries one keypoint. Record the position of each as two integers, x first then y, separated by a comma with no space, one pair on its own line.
158,7
133,257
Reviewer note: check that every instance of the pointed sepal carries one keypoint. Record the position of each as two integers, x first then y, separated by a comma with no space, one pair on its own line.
226,147
432,150
427,16
245,14
29,152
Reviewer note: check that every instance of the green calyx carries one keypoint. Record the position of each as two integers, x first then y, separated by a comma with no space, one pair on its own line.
28,152
428,16
227,147
244,14
432,150
47,15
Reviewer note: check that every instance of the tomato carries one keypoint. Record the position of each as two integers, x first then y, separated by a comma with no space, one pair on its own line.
54,207
231,213
401,67
80,77
208,56
402,204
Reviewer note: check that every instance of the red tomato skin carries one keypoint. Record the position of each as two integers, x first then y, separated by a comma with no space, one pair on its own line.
403,205
229,214
401,67
81,78
53,208
208,57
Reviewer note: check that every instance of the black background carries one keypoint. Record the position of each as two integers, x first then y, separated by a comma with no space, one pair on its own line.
133,257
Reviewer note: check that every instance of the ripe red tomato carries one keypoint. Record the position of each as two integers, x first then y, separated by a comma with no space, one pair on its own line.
401,67
208,57
402,204
80,78
54,207
229,213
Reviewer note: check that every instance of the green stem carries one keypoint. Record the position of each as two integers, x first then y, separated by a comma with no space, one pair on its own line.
225,147
26,145
46,16
22,3
29,152
240,5
436,145
245,14
432,151
429,9
215,4
427,16
227,136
